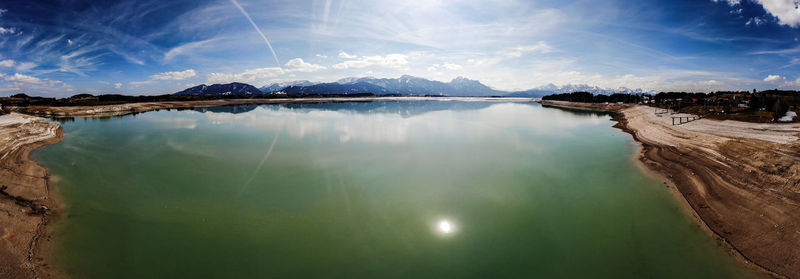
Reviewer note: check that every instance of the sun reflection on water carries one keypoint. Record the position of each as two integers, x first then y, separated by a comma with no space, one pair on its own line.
445,227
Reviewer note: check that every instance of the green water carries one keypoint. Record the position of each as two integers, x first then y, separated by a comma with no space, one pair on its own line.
434,189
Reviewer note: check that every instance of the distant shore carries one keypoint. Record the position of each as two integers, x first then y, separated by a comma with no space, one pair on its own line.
129,108
741,180
26,202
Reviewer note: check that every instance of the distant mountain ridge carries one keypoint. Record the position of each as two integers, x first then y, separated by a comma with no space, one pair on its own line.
404,85
235,88
275,87
570,88
410,85
336,88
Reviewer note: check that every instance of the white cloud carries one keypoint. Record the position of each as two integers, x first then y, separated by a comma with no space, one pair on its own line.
452,67
791,84
7,63
322,56
346,56
448,66
754,21
729,2
388,61
540,47
787,11
21,80
25,66
137,83
667,80
185,48
174,75
504,54
246,76
774,78
128,57
3,11
17,77
166,76
298,65
118,85
9,30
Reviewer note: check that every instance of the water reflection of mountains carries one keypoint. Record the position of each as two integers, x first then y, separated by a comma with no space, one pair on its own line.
403,108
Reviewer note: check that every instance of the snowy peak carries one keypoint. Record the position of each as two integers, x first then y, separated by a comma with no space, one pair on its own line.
404,85
570,88
411,85
234,88
278,86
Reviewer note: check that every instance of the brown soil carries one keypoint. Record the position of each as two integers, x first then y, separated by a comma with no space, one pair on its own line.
745,190
27,203
25,200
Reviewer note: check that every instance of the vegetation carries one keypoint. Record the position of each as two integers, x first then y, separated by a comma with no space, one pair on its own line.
764,106
587,97
23,100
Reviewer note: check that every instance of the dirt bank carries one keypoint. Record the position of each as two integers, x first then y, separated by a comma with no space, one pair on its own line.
25,200
741,179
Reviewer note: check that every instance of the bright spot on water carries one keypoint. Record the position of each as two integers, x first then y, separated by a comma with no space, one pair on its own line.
445,227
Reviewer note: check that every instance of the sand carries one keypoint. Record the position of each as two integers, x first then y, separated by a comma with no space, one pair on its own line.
25,202
741,179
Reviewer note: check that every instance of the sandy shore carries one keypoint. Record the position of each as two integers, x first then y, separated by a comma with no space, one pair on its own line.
25,202
741,179
123,109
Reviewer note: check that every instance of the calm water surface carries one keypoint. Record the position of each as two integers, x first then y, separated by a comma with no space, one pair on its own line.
431,189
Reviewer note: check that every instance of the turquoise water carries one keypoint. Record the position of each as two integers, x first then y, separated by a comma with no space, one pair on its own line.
427,189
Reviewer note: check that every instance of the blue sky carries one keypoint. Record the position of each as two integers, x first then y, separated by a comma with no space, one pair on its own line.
62,48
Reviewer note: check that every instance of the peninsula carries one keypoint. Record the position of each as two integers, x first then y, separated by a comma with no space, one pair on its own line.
740,179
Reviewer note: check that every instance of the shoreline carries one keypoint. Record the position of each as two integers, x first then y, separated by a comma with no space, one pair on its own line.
743,191
639,158
26,203
658,157
131,108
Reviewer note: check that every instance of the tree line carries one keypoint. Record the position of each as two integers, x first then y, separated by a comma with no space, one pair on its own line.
774,102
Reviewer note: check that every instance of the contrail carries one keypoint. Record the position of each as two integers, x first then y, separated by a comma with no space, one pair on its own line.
261,164
258,30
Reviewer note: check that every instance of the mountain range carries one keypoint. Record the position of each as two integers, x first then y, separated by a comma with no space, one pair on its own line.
235,88
404,85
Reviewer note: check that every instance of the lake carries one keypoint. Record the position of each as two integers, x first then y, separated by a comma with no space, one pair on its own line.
401,189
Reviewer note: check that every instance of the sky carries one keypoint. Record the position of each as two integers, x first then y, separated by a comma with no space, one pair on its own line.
145,47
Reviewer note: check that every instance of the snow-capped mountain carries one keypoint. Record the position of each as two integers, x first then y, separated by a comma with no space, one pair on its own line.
336,88
569,88
407,84
404,85
468,87
275,87
235,88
